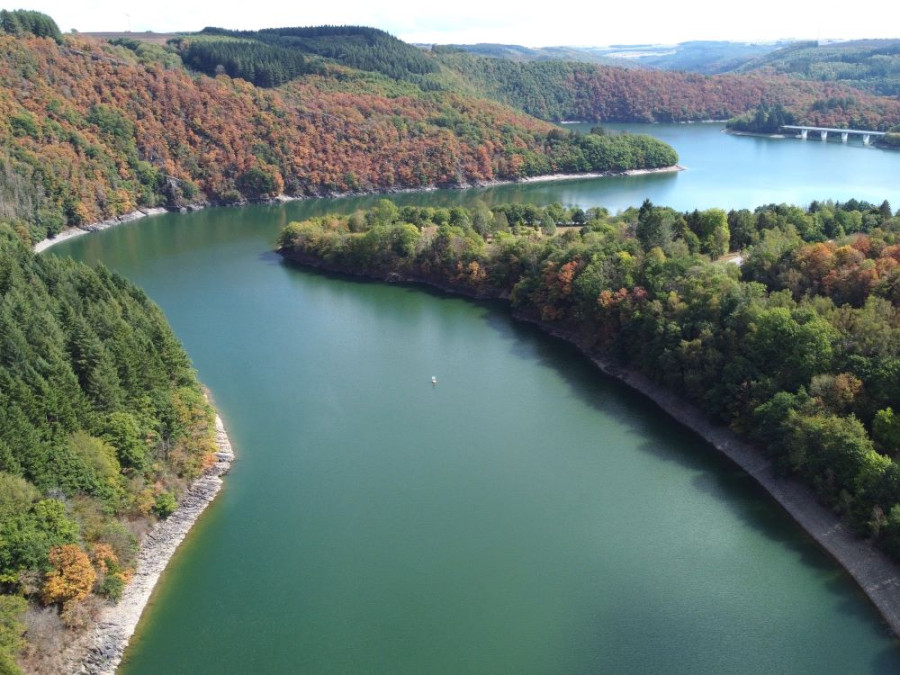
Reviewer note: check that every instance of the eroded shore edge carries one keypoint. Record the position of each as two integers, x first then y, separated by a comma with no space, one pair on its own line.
874,573
73,232
99,651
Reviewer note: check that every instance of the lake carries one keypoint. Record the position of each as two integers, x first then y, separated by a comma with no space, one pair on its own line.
524,515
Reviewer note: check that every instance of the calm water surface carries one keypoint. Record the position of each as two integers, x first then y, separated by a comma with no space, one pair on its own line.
526,515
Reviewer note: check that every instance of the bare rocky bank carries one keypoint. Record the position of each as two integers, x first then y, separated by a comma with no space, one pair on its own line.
100,650
873,571
73,232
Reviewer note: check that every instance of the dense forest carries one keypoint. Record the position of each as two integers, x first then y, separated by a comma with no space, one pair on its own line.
262,64
867,65
795,345
102,426
273,56
89,131
764,120
355,46
25,22
558,90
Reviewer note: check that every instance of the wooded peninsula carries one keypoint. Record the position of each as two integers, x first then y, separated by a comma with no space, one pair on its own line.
793,345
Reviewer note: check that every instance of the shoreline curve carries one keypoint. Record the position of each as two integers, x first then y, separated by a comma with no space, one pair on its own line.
73,232
131,216
99,651
872,571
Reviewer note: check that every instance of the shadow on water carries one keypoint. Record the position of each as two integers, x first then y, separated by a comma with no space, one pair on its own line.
406,287
270,258
716,475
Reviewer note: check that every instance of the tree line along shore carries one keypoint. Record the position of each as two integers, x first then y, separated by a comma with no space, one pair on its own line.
103,430
793,353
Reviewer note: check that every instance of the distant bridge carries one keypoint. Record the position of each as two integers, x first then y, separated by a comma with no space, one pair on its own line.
824,131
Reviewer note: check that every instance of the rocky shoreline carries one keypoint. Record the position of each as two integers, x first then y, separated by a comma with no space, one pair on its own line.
73,232
100,650
875,574
600,174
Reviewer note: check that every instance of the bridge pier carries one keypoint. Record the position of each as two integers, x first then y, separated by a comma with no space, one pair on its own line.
803,132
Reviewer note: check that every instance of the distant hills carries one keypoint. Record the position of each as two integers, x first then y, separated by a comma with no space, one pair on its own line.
870,65
704,56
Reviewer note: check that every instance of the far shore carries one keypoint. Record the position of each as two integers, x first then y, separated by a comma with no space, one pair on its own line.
875,574
79,231
100,650
603,174
73,232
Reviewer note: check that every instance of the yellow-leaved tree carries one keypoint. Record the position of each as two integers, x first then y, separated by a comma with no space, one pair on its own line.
72,576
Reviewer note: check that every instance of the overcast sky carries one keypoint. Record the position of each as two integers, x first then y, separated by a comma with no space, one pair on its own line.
503,21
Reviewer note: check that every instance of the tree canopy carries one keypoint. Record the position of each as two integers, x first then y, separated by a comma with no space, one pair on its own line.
101,421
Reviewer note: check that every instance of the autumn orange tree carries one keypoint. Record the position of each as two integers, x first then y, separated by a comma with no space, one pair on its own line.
71,577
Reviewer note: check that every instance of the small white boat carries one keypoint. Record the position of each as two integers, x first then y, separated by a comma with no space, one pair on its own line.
433,380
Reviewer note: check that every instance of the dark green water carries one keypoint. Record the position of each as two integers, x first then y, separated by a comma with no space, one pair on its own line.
525,515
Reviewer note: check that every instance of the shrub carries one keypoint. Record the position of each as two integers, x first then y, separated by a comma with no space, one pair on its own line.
165,505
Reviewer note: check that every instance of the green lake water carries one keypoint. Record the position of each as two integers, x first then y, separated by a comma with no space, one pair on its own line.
525,515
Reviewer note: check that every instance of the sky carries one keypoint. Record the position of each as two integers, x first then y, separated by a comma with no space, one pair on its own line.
597,23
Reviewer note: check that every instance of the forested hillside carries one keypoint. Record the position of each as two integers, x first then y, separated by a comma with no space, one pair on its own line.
91,130
798,348
868,65
102,426
359,47
262,64
699,56
25,22
559,90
